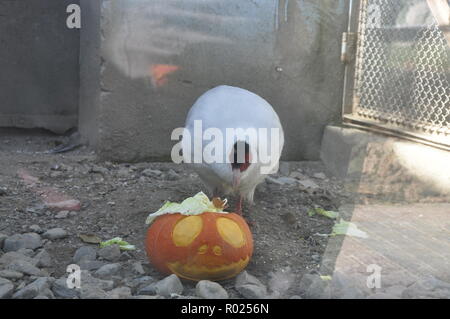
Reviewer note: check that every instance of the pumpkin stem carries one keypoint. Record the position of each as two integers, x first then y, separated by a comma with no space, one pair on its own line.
219,203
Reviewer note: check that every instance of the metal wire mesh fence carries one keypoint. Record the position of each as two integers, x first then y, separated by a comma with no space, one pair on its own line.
402,74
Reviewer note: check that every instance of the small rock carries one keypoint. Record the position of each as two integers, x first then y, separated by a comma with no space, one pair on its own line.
123,172
21,285
92,292
249,286
24,267
312,286
14,256
39,286
43,259
172,175
88,280
55,233
10,274
151,172
124,256
6,289
167,286
41,297
35,229
60,289
99,169
120,293
84,253
108,270
4,281
90,264
143,180
110,253
138,283
26,252
271,180
320,175
344,286
56,167
308,184
281,180
37,210
297,175
62,214
70,205
210,290
287,180
147,290
18,241
2,239
137,268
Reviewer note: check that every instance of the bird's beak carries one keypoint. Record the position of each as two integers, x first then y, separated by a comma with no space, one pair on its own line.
236,177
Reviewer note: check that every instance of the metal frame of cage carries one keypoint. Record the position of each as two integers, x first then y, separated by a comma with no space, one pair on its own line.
385,118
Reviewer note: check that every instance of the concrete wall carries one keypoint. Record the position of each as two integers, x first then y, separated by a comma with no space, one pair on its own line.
39,75
155,57
90,67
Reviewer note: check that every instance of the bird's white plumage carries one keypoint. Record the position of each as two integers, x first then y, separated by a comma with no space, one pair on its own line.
230,107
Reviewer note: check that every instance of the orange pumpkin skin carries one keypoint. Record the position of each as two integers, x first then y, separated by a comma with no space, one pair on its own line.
211,246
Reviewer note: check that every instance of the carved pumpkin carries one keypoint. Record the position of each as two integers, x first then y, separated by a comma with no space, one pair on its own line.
211,246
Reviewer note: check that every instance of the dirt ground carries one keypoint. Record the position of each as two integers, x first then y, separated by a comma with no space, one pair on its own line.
116,199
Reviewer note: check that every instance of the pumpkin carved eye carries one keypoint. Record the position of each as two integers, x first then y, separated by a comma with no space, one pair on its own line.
186,230
230,232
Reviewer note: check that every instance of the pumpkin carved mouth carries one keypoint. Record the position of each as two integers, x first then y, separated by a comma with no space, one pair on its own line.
194,271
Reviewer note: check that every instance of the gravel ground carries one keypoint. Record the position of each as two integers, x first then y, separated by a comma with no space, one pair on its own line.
37,243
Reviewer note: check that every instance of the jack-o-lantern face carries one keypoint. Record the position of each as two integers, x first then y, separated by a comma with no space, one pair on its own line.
210,246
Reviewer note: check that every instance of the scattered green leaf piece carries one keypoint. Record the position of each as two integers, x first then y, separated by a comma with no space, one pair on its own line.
123,245
349,229
327,213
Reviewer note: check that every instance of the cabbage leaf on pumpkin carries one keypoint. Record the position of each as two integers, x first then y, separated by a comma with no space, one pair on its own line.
195,205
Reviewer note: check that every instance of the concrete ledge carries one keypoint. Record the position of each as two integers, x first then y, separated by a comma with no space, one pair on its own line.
58,124
386,165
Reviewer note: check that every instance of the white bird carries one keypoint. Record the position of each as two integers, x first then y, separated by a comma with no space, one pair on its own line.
239,162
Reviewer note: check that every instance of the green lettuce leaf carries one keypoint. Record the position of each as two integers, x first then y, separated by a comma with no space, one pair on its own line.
123,245
349,229
323,212
195,205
